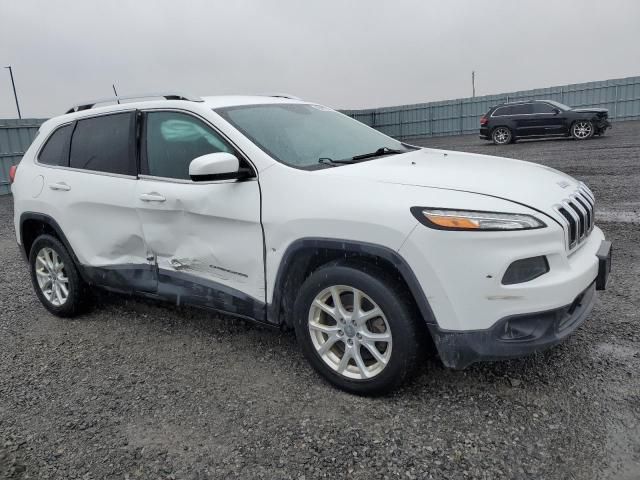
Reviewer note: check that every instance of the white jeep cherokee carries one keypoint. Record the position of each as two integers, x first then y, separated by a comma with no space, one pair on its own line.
292,214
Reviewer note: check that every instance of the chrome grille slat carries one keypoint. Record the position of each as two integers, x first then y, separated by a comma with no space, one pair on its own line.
577,215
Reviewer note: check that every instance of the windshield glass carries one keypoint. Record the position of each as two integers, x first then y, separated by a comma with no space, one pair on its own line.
561,106
306,136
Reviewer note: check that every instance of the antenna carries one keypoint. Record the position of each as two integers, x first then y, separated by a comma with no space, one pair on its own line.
114,91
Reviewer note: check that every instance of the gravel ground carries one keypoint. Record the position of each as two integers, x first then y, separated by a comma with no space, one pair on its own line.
135,389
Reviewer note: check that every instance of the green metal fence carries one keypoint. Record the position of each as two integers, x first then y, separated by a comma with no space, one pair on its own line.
460,116
15,138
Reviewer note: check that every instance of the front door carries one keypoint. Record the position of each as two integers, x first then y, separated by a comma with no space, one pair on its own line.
205,237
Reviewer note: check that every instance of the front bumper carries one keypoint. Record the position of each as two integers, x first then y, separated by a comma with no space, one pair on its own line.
514,336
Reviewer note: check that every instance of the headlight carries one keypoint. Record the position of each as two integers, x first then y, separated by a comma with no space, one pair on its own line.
444,219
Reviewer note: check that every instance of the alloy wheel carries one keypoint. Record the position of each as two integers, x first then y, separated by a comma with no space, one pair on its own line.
582,130
502,135
350,332
51,276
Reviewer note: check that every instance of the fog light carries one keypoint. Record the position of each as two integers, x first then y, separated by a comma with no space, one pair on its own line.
525,270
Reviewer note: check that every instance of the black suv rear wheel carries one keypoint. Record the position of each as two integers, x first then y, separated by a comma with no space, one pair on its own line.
501,135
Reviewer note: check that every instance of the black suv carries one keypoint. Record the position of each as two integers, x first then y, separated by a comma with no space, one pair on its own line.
541,118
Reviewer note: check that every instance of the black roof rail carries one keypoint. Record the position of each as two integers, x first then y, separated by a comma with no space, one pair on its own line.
166,96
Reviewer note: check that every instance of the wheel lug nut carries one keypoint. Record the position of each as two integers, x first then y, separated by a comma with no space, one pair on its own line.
350,342
359,336
340,333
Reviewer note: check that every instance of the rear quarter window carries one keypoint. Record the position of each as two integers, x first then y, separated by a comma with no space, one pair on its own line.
104,144
56,148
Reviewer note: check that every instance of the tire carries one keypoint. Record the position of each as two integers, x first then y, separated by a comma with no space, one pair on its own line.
582,129
326,338
501,135
49,259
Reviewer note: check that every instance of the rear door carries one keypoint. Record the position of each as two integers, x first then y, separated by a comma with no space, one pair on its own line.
206,236
524,120
91,195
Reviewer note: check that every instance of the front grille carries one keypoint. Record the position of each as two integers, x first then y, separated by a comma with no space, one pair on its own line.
577,211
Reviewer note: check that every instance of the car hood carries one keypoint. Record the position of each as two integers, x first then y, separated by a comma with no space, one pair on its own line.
590,110
533,185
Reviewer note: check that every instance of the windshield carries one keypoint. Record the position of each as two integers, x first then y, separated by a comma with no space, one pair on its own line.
306,136
561,106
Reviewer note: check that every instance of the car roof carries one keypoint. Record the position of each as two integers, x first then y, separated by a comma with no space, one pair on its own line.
90,109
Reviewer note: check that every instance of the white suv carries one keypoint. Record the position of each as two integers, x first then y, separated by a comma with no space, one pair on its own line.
291,214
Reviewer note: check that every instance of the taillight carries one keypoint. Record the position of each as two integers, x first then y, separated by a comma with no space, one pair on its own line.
12,173
483,121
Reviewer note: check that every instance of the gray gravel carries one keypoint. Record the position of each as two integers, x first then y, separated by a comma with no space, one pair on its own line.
142,390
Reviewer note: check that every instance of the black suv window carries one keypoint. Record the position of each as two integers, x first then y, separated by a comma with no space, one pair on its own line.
56,150
501,111
542,108
104,144
173,140
522,109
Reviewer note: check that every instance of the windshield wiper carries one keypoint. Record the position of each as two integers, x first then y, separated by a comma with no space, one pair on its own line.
359,158
378,153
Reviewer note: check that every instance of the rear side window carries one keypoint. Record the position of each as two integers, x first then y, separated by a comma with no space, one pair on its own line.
56,150
501,111
173,140
523,109
104,144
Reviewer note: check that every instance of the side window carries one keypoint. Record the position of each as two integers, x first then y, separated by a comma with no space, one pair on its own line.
56,150
522,109
502,111
173,140
104,144
542,108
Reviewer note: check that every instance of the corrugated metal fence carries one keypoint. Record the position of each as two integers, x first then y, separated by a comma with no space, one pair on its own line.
456,117
448,117
15,138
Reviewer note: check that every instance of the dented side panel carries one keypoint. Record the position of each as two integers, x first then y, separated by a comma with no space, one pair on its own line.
208,231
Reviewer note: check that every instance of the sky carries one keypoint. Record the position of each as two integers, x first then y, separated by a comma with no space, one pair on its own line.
342,53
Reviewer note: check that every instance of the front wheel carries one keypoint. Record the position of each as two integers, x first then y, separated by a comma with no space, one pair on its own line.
502,136
356,328
582,130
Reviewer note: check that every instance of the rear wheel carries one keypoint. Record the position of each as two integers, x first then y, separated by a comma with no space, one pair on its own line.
55,277
501,135
582,130
356,328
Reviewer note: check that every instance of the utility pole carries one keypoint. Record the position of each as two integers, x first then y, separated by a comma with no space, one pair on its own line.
473,82
15,95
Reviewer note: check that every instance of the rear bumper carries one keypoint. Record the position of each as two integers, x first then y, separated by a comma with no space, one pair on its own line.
513,336
485,133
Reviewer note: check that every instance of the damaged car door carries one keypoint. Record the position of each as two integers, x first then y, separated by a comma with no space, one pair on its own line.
205,236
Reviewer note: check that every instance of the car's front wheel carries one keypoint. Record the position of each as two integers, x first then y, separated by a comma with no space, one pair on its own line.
501,135
582,130
55,277
356,328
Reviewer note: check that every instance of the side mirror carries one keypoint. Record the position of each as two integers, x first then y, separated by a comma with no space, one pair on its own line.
556,111
217,166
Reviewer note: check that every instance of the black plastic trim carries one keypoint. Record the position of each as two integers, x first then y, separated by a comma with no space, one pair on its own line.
459,349
347,246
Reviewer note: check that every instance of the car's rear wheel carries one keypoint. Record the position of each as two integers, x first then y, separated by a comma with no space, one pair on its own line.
501,135
55,277
356,328
582,130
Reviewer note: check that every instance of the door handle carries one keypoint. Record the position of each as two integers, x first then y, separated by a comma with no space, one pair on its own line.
152,197
60,186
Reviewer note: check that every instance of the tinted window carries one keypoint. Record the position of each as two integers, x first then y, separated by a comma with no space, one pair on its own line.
542,108
55,151
522,109
103,144
174,139
500,111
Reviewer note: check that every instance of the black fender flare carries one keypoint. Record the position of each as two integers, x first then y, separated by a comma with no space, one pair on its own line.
348,246
49,221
